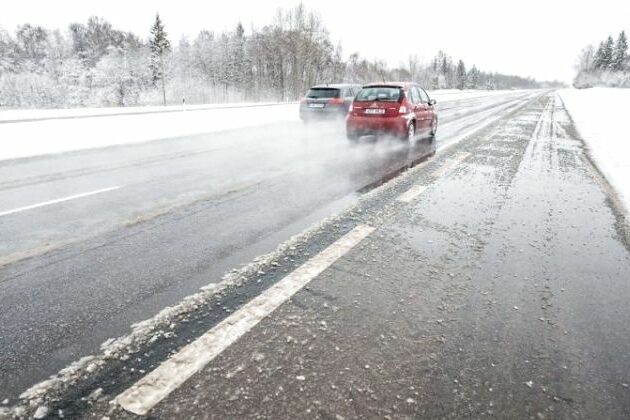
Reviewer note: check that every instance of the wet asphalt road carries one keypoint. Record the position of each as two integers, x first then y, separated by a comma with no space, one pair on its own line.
500,292
75,274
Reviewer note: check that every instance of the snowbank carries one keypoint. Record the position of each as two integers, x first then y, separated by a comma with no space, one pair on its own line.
15,115
43,137
600,117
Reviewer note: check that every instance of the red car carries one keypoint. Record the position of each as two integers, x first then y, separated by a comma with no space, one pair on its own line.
400,109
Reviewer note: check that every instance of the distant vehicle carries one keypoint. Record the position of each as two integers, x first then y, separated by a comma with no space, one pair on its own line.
400,109
327,101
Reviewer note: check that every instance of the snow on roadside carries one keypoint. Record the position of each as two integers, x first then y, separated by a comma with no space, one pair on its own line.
600,116
35,114
25,139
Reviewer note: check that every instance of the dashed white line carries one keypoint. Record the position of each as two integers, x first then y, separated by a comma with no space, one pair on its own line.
59,200
141,397
413,192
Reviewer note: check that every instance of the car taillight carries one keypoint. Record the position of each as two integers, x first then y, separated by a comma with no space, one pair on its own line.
336,101
302,100
402,109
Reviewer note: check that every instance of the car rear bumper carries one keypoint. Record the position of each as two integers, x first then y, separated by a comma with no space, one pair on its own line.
360,125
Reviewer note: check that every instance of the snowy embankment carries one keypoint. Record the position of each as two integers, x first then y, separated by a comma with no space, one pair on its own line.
32,138
16,115
600,117
26,133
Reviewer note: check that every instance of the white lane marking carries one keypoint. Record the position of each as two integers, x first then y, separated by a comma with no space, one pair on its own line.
409,195
59,200
141,397
450,165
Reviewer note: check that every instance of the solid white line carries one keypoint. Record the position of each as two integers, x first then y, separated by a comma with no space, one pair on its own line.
59,200
450,165
409,195
151,389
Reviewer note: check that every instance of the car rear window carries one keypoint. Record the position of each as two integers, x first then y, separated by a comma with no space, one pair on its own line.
380,93
318,93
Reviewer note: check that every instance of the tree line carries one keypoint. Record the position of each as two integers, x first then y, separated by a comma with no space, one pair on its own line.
95,64
605,65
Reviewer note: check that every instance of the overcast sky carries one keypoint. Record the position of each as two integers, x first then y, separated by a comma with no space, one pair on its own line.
538,38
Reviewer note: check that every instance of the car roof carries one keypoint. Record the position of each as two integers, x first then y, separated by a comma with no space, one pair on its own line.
402,85
335,85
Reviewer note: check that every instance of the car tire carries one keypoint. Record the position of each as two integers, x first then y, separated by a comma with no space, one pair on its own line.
434,127
411,132
352,136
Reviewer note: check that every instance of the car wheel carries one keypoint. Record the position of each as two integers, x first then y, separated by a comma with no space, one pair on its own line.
411,131
434,126
352,136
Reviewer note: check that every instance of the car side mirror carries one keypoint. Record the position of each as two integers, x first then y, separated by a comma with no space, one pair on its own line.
432,101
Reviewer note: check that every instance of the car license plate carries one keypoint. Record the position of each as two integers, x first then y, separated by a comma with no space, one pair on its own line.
374,111
316,105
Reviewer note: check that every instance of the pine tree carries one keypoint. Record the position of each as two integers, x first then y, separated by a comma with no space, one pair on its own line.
461,75
473,78
159,45
237,57
620,55
598,58
607,54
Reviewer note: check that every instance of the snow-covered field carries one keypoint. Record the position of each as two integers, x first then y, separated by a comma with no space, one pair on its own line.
57,132
600,117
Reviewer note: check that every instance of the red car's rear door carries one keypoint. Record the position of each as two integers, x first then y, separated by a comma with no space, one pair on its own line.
430,108
421,109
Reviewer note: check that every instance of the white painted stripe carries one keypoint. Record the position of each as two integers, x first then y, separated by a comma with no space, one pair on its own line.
151,389
413,192
450,165
59,200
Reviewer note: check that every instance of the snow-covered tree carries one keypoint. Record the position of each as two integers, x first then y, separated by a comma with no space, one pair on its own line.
160,46
620,54
32,46
93,63
473,77
606,65
607,54
121,76
598,57
9,60
461,75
